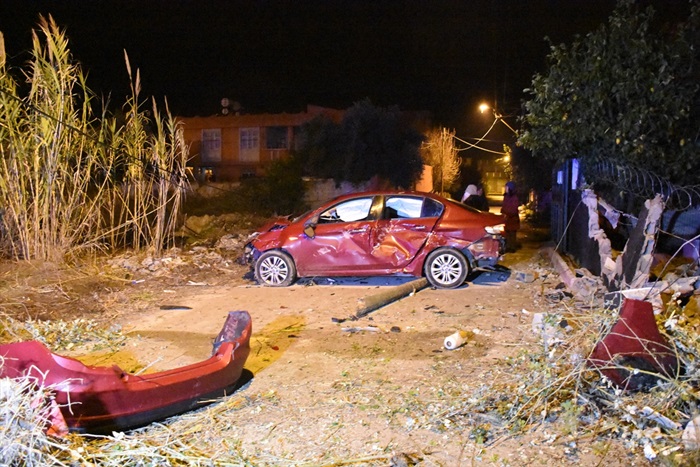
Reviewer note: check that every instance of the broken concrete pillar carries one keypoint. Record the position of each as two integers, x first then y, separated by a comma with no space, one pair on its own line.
595,232
637,257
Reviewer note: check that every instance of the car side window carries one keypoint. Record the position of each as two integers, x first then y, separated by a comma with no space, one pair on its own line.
431,208
347,211
403,207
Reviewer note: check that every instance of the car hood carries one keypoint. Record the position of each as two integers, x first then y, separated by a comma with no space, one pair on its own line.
276,224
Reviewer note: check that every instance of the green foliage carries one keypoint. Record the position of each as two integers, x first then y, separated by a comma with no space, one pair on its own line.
370,141
321,148
280,192
627,91
530,172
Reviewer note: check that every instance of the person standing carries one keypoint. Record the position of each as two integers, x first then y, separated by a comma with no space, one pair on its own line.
469,192
480,201
474,197
510,210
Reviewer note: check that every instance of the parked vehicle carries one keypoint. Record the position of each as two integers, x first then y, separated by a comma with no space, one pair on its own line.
379,233
100,400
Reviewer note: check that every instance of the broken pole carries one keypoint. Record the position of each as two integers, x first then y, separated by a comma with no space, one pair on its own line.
368,304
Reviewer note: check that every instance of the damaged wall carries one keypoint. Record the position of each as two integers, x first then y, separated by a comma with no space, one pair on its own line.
637,257
631,268
581,244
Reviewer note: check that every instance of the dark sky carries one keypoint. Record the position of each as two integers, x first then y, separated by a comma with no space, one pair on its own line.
275,55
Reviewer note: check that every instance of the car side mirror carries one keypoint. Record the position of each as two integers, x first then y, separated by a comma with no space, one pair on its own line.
310,227
310,231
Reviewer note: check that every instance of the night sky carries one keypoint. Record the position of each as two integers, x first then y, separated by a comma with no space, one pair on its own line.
276,55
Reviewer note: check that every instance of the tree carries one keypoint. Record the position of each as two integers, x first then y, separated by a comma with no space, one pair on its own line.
439,151
379,143
370,141
321,148
627,92
280,191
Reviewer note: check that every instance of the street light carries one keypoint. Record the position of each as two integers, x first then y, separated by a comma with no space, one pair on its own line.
483,107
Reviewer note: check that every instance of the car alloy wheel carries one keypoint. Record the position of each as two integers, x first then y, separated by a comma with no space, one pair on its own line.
446,268
275,269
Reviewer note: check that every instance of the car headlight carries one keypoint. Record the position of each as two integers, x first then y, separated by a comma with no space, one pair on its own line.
497,229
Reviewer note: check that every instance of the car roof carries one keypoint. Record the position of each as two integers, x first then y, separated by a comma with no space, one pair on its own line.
389,193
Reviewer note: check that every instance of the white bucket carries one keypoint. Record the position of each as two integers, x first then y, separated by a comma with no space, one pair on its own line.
456,340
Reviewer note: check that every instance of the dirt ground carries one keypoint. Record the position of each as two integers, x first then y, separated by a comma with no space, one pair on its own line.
379,390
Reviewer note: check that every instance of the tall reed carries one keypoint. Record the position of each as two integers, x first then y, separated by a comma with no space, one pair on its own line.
71,180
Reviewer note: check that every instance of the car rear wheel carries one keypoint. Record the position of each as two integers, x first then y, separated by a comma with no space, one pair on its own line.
446,268
275,269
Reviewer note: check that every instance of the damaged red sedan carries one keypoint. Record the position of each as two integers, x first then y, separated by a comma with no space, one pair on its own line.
379,233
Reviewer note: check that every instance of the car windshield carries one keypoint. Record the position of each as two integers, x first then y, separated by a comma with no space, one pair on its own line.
301,216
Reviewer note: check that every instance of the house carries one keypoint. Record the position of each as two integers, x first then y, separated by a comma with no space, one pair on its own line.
231,147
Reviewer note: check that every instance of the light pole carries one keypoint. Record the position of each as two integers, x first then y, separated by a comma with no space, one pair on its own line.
483,107
505,162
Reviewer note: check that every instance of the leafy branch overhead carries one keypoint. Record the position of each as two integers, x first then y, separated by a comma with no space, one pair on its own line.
627,91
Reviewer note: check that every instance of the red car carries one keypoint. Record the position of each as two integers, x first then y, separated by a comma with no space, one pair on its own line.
379,233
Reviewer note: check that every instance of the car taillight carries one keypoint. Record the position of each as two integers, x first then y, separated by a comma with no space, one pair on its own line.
497,229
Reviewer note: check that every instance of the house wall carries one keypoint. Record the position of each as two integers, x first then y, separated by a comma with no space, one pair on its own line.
236,162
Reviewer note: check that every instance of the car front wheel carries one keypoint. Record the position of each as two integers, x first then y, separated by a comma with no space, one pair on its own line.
446,268
275,269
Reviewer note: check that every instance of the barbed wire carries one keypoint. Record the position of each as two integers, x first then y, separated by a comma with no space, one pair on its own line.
643,183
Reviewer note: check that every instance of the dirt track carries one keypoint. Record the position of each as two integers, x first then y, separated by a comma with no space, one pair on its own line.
325,391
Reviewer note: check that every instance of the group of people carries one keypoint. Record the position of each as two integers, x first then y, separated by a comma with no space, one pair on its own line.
474,197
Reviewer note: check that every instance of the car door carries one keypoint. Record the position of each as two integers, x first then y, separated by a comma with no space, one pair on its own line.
404,227
342,240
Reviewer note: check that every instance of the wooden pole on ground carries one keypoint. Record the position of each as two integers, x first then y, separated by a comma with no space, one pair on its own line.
368,304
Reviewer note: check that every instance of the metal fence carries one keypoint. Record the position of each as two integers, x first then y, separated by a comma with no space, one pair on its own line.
626,189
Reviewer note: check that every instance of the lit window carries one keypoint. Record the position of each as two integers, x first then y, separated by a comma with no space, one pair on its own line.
403,206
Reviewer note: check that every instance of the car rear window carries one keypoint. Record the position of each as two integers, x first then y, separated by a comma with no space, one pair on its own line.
431,208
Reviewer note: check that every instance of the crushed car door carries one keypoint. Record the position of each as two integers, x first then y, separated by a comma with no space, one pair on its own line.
403,229
342,239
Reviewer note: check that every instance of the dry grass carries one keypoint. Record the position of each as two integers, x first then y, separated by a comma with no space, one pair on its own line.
556,387
23,417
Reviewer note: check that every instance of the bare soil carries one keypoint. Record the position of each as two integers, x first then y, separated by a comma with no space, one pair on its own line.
379,390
